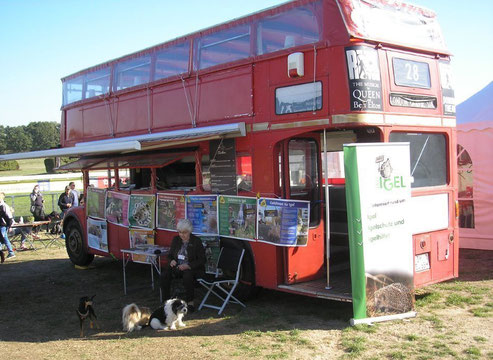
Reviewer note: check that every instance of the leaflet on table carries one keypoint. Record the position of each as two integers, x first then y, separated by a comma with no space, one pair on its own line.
95,202
283,222
142,211
117,208
140,239
97,235
202,212
170,209
237,217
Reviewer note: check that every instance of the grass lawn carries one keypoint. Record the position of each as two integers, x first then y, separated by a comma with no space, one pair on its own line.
41,289
27,167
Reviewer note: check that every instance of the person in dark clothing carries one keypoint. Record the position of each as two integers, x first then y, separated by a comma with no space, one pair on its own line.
37,204
186,261
65,201
6,221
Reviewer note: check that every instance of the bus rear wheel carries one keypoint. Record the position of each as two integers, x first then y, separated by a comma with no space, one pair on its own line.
74,243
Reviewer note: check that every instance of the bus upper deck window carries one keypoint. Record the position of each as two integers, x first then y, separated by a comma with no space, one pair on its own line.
294,27
223,46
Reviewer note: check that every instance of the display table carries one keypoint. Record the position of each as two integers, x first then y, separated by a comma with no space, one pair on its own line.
144,255
29,231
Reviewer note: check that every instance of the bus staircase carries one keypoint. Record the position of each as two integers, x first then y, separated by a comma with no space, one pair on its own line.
339,280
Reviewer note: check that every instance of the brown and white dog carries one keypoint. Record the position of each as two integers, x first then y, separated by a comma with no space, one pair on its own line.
167,317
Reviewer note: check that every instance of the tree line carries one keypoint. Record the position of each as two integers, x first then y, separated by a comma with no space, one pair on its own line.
40,135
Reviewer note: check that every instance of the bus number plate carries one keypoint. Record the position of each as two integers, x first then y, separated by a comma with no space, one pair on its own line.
422,262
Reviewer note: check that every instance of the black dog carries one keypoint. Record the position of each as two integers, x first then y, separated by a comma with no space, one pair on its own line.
85,311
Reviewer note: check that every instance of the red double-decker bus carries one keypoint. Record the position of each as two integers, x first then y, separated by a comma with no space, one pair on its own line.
284,89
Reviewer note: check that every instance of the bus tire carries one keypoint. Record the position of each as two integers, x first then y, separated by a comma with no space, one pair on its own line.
74,242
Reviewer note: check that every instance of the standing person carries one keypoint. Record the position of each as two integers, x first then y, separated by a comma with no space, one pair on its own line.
186,261
5,223
65,201
75,193
37,204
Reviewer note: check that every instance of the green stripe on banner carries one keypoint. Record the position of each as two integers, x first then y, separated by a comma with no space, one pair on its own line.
356,255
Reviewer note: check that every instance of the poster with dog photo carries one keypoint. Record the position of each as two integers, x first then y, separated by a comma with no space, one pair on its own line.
170,209
95,202
97,235
237,216
202,212
141,239
142,210
117,208
283,222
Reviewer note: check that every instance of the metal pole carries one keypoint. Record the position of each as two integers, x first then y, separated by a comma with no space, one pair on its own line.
327,212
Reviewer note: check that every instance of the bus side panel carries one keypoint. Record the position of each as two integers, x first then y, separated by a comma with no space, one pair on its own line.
97,121
268,265
74,126
117,239
233,89
306,263
131,113
169,105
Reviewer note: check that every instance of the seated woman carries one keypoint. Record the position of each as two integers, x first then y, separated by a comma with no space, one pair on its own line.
186,261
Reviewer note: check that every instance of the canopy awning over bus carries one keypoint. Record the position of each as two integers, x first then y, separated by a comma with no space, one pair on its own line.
135,143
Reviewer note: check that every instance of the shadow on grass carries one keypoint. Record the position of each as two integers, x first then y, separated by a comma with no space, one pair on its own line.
39,298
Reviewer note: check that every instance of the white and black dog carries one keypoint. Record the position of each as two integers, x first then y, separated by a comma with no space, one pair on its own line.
167,317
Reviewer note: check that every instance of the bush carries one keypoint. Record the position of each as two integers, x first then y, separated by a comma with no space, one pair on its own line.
9,165
49,165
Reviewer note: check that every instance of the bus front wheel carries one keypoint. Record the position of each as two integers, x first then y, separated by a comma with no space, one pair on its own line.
74,243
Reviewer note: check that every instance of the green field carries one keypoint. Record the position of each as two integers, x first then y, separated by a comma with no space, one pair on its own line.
27,167
21,204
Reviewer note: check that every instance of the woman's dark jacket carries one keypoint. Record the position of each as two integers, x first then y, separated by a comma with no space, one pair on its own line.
195,251
65,199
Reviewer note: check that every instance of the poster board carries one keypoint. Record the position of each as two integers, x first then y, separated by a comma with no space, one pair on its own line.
142,211
117,208
96,199
283,222
378,193
212,249
237,217
202,212
97,234
223,166
141,239
170,209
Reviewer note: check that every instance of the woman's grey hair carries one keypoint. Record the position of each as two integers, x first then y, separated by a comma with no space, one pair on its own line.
184,225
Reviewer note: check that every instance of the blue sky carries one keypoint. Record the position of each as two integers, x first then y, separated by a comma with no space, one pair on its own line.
43,41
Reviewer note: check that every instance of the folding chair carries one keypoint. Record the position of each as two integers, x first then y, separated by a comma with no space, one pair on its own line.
229,262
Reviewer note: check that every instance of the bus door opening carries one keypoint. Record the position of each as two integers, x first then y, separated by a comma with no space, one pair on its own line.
300,169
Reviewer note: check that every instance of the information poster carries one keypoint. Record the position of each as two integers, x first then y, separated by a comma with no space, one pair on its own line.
142,210
141,239
223,166
97,235
170,209
283,222
237,217
365,85
202,212
378,193
212,250
95,202
117,208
